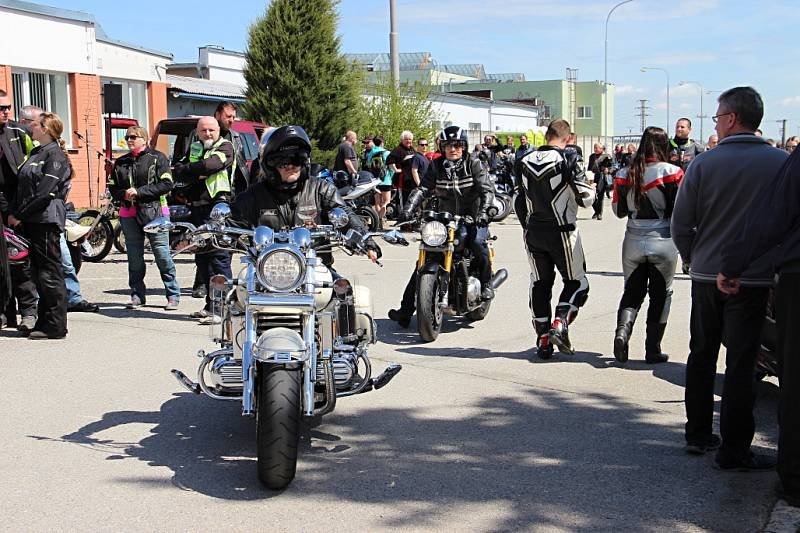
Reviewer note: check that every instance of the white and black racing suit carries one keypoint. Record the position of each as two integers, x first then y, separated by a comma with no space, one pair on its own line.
649,256
550,187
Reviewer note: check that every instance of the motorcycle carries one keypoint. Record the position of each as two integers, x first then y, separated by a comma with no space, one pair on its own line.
101,230
17,247
767,357
358,193
294,336
177,213
447,280
503,181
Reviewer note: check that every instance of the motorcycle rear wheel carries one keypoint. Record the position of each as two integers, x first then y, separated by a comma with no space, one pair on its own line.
429,314
369,216
119,239
503,204
101,239
277,424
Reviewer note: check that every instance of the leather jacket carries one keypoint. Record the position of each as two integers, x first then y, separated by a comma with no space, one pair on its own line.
44,183
463,189
148,173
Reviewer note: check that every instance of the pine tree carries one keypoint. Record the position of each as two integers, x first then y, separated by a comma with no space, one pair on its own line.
296,73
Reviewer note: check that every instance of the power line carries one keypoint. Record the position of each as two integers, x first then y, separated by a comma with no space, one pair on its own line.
643,114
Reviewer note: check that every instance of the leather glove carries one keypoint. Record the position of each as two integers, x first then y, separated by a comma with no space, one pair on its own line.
482,220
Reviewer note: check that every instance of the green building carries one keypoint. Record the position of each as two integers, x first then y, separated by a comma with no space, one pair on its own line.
579,102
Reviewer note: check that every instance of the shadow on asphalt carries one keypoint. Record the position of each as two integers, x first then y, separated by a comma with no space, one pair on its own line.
149,310
529,457
390,332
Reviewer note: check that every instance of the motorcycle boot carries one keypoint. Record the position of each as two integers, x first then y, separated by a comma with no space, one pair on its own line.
544,348
652,344
625,320
559,331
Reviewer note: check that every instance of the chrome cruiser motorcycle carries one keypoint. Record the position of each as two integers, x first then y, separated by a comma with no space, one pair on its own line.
294,335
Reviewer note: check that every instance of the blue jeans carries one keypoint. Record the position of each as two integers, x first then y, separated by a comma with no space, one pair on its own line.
70,276
159,244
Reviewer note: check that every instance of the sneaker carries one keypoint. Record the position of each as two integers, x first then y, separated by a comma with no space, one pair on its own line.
172,304
83,307
599,217
210,319
135,303
203,313
27,324
699,448
199,292
400,317
559,335
755,462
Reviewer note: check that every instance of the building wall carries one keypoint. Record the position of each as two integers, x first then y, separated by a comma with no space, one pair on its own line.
184,107
484,116
223,65
88,172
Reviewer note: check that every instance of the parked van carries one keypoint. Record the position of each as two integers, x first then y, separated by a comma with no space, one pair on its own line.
173,136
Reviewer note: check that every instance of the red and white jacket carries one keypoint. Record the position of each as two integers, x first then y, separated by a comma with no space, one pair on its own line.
659,187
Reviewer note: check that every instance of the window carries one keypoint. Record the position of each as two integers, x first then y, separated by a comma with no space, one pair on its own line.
584,111
546,112
474,126
134,105
48,91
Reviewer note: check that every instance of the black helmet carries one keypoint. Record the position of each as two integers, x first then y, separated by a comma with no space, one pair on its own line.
453,133
286,142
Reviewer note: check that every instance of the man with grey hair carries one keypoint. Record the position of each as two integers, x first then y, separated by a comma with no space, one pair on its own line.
713,141
401,161
713,199
207,169
29,113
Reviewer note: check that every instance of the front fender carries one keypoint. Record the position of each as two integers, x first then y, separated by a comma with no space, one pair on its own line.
431,267
280,346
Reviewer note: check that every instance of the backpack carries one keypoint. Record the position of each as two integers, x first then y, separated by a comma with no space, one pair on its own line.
377,166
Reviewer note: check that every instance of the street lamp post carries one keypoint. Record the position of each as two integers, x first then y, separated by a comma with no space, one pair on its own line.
701,116
394,48
645,69
605,71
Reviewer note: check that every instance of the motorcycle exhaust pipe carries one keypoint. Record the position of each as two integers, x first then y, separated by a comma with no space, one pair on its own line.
190,385
498,279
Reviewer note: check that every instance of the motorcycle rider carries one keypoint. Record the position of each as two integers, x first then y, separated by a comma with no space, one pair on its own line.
682,149
288,195
461,183
207,168
551,186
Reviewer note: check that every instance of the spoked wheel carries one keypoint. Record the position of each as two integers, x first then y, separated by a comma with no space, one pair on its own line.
119,239
503,205
100,240
429,314
277,424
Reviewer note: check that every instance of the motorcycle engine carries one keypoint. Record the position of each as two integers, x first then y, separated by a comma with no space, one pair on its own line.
473,292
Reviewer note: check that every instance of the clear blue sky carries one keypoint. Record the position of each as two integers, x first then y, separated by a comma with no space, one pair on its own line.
719,43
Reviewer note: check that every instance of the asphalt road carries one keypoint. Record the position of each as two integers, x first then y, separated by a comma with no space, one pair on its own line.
472,435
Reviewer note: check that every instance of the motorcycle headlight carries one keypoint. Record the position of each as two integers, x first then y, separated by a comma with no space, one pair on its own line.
434,233
280,270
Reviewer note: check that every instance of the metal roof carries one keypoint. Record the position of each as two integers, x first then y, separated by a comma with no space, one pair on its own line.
222,89
382,61
79,16
509,76
474,70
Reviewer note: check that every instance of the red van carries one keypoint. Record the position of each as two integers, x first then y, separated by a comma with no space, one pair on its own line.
172,136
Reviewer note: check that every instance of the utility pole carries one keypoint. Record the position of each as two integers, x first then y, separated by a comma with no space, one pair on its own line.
782,122
572,77
643,114
394,47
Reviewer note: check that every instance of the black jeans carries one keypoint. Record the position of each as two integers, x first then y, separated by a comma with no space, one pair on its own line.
599,196
24,299
787,309
48,273
735,321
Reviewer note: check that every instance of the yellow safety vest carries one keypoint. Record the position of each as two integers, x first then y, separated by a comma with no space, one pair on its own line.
218,182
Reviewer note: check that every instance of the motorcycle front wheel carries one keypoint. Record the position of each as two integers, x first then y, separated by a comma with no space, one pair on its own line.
503,204
277,424
429,314
101,239
369,216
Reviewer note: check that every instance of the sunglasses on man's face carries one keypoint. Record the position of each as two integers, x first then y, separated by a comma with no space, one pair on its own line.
453,145
423,144
283,162
131,137
5,107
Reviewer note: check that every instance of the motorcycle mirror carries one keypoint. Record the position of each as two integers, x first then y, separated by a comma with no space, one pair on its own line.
338,217
220,212
159,225
395,237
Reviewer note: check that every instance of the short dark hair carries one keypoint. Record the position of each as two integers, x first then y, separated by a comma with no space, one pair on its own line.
558,129
418,140
377,141
686,119
746,103
225,104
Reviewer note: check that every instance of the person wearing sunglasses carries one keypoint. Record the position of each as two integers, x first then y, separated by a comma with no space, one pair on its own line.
461,184
288,196
15,146
208,168
682,149
140,181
